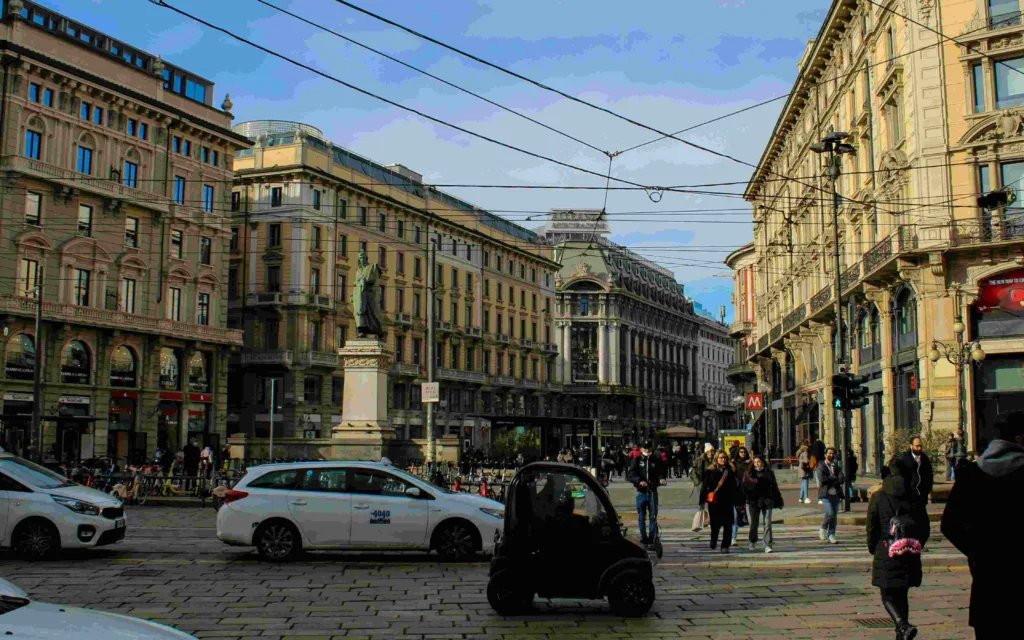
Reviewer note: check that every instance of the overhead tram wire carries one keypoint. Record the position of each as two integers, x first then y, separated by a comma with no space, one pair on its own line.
431,75
323,74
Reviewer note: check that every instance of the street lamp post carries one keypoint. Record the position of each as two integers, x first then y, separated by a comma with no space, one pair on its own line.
959,355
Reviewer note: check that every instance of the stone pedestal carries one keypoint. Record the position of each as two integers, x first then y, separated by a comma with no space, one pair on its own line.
365,431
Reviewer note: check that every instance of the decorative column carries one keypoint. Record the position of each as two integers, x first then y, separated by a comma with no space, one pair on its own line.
614,360
567,352
628,373
602,352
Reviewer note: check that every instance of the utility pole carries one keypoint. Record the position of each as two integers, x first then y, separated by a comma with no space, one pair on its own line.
833,145
431,346
36,437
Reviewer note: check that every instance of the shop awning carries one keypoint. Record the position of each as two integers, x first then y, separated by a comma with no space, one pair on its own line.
681,432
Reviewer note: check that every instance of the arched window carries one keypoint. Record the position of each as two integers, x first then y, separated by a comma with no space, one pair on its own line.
198,381
905,320
75,363
170,369
21,358
123,368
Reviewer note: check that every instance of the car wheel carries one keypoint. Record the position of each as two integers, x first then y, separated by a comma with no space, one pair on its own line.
36,539
508,595
277,541
455,542
631,595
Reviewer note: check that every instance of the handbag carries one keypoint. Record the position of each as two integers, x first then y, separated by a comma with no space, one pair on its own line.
713,495
700,520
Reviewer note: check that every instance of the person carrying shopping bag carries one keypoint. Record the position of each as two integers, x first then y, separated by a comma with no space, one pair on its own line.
718,492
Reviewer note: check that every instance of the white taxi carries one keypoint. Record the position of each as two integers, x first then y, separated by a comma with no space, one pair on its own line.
42,512
283,509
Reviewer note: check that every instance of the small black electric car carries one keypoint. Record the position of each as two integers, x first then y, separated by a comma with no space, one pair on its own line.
563,539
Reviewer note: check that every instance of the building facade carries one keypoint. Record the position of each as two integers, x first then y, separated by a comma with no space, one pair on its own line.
303,209
716,354
628,338
117,169
934,125
742,331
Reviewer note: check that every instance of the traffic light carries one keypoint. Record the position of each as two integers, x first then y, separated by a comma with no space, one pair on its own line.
848,391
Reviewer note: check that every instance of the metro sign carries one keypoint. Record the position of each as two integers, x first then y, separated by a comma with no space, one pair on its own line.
755,401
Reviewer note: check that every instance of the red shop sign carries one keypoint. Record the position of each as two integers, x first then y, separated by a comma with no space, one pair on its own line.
124,394
201,397
170,395
913,383
1004,291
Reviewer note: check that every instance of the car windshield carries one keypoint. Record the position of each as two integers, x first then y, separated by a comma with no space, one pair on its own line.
32,474
409,476
10,603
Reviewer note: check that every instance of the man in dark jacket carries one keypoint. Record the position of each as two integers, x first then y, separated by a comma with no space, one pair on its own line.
917,470
647,473
191,461
980,506
830,491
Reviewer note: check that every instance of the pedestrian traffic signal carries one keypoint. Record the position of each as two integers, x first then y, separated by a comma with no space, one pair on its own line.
849,392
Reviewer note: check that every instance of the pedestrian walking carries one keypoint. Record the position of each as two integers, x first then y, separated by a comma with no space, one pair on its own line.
803,456
980,509
895,539
761,491
742,463
954,453
607,465
830,490
718,492
646,473
917,470
851,466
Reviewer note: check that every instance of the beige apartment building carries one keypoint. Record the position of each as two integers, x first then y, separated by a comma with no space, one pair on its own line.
303,209
740,373
934,124
117,171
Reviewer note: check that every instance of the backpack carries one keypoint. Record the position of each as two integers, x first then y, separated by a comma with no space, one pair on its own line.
899,537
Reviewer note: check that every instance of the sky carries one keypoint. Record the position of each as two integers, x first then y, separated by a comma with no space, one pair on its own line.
669,64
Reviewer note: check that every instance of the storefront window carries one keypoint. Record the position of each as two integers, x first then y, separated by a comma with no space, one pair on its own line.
168,421
198,381
198,418
906,320
21,358
74,363
997,312
122,414
123,367
170,369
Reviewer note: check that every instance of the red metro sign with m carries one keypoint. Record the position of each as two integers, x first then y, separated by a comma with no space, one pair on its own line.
755,402
1005,292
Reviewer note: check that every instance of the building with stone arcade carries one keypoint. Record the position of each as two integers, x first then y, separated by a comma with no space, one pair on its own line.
627,335
302,210
117,170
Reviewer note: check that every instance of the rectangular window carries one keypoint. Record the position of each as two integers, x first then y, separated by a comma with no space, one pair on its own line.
455,277
341,286
337,391
317,235
533,297
311,390
316,199
417,268
400,300
28,278
417,348
232,284
33,92
48,97
274,235
469,316
127,295
314,336
33,208
204,155
188,148
400,263
276,194
84,220
314,281
82,287
497,326
176,145
273,279
362,216
416,233
400,230
271,334
486,321
343,245
381,296
382,223
97,115
205,249
342,209
234,239
978,75
487,288
179,189
399,348
342,334
522,298
487,258
207,198
132,127
455,314
487,362
85,160
33,142
131,232
236,200
86,111
177,240
143,131
455,356
1003,13
1009,83
522,271
511,365
382,257
131,174
500,289
203,309
469,282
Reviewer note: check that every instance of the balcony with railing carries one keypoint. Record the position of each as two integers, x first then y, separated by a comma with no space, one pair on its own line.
319,359
794,318
849,278
498,337
404,369
113,319
525,342
969,232
473,332
550,348
739,328
403,319
529,384
503,381
461,376
444,327
821,299
280,357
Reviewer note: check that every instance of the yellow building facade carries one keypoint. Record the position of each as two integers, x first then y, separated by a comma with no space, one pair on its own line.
934,125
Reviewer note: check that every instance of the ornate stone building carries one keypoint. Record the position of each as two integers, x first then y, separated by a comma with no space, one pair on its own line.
742,331
627,334
117,171
935,124
302,211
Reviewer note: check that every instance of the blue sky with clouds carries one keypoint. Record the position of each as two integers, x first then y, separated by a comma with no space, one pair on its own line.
667,63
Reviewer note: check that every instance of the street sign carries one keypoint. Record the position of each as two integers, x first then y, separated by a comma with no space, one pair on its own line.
755,401
430,392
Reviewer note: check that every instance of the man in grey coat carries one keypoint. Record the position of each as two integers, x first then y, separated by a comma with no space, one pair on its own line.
830,490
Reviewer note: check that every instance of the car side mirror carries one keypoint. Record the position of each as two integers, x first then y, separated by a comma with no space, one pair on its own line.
413,492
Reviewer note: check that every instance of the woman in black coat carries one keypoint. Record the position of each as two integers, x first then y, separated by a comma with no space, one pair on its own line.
721,479
762,494
896,533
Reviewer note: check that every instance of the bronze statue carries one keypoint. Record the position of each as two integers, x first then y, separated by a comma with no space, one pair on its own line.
364,299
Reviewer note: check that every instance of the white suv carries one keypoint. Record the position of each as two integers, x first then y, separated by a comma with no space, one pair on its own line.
42,512
282,509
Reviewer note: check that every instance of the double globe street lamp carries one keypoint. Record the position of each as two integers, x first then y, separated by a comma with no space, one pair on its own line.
959,355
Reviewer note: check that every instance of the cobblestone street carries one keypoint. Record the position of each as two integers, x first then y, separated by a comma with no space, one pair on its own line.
173,570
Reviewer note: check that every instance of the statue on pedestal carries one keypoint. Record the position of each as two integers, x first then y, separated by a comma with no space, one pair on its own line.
364,299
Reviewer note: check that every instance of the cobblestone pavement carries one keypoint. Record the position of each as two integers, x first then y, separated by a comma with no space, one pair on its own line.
173,570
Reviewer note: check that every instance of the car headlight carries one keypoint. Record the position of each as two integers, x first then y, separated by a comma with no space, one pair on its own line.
78,506
497,513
